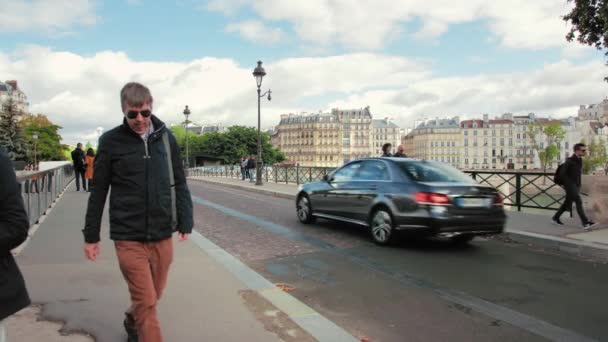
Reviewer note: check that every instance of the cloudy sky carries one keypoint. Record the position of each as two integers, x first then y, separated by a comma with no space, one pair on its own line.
407,59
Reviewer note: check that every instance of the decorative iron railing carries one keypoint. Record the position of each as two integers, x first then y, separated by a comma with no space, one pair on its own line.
40,189
534,190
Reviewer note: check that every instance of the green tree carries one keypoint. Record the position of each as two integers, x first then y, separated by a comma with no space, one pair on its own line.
545,140
48,146
589,20
237,142
596,156
11,134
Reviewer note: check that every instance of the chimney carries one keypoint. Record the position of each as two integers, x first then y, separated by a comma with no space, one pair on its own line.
485,118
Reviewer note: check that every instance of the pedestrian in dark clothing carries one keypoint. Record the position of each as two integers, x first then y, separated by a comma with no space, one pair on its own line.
400,154
140,161
251,168
78,158
570,175
386,150
14,226
244,171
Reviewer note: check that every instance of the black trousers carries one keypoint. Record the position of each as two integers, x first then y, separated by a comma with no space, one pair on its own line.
80,176
572,196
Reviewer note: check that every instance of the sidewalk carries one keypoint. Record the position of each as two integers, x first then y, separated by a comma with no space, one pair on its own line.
521,227
211,296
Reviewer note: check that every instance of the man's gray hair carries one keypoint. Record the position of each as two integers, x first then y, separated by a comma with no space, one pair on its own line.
135,95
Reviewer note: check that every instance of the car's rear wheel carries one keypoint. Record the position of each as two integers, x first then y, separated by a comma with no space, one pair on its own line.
304,210
462,240
381,226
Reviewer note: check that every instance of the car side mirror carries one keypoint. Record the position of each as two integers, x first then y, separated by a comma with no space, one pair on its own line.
326,178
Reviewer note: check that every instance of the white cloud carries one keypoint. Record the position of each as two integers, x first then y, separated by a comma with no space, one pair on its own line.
53,17
369,25
255,31
80,93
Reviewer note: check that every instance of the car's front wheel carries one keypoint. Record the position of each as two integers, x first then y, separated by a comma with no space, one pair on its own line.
381,226
304,210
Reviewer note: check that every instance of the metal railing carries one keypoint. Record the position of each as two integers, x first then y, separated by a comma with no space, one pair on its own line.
40,189
532,190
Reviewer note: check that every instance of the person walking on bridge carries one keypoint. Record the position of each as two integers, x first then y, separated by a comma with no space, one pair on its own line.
14,226
150,200
570,175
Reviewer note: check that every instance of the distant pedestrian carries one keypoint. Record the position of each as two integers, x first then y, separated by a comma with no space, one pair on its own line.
386,150
244,171
14,226
251,168
78,160
570,175
89,164
149,200
400,152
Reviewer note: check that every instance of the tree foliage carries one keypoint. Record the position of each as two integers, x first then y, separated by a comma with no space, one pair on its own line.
48,146
11,134
596,156
589,20
237,142
545,140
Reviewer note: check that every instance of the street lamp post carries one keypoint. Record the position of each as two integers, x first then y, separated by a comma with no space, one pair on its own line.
259,74
35,136
186,114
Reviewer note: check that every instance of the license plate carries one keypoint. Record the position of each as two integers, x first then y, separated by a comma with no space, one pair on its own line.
466,202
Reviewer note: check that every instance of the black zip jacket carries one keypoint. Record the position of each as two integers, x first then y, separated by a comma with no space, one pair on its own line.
14,226
140,197
571,172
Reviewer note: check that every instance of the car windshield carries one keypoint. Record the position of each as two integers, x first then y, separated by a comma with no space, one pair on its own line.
432,171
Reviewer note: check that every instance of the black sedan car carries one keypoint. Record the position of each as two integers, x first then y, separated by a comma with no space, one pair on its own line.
390,195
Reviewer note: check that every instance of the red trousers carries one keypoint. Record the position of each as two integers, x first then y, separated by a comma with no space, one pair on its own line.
145,266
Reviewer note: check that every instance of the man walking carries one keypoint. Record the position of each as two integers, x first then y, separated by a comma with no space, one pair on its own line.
251,168
570,175
14,226
78,158
140,161
400,150
244,167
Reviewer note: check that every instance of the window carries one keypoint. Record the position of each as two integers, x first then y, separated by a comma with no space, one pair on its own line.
466,133
430,171
373,171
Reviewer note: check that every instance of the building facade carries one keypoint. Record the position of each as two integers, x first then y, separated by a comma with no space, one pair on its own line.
597,111
384,131
331,139
10,90
439,139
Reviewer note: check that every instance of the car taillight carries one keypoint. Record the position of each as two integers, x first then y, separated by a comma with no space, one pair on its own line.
498,200
431,198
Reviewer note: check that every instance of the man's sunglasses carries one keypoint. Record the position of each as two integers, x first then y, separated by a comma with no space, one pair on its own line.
132,114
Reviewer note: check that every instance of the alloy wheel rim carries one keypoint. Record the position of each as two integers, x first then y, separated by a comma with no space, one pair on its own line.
381,226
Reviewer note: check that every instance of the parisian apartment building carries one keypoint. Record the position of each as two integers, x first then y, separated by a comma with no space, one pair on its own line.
331,139
503,142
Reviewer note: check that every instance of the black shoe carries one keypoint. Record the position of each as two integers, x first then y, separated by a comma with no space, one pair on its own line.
556,222
588,225
129,324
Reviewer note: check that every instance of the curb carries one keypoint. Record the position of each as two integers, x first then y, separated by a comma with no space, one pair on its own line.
568,246
317,325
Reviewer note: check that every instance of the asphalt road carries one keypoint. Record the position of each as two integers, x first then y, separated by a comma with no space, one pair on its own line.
415,290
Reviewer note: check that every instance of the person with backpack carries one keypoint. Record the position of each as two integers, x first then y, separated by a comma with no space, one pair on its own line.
568,175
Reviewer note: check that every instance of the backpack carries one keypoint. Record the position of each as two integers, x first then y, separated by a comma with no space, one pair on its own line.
556,177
